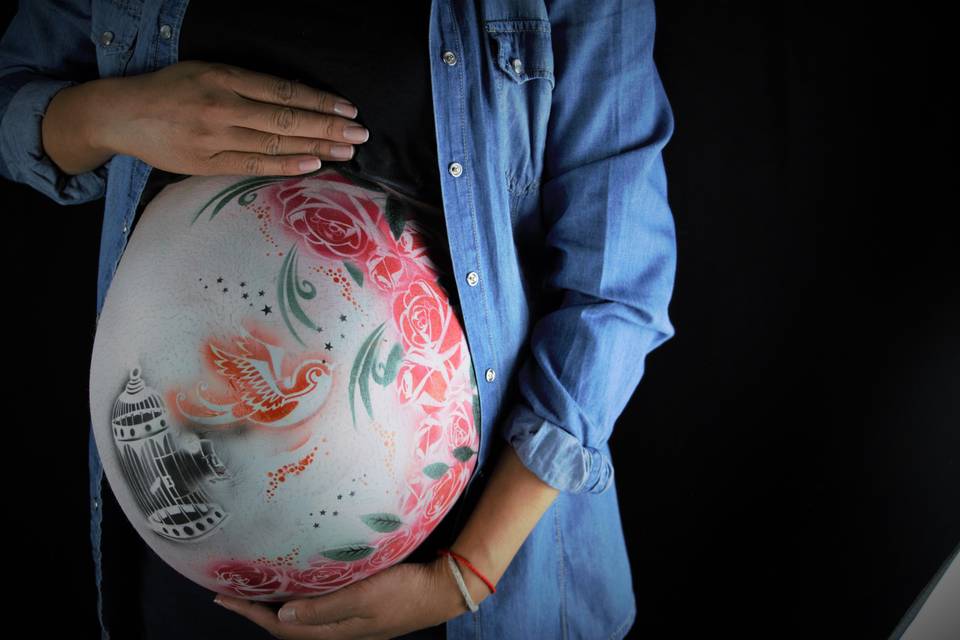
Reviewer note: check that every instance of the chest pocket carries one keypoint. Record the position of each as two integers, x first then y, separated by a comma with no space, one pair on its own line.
521,51
113,30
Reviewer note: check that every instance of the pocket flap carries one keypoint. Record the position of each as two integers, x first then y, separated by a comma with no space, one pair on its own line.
523,48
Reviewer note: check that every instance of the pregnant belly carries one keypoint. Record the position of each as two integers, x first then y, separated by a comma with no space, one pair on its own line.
281,393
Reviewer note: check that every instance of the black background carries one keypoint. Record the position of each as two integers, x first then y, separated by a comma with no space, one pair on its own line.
788,466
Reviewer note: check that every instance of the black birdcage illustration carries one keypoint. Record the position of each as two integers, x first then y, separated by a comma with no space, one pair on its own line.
166,480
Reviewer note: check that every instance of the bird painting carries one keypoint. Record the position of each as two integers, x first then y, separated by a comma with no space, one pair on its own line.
262,386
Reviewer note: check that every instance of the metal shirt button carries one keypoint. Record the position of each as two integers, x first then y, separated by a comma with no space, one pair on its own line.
106,37
96,504
473,278
124,227
456,169
490,375
450,57
517,66
165,31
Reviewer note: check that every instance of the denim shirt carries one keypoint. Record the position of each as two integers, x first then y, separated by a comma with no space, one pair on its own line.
550,120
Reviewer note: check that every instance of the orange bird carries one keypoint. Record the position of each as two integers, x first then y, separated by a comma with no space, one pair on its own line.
260,393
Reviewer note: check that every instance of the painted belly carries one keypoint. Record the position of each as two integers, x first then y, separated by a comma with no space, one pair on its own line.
281,393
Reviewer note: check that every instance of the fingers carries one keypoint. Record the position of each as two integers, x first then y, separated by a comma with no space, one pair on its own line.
292,121
238,163
258,152
269,125
265,617
274,144
263,87
285,107
339,606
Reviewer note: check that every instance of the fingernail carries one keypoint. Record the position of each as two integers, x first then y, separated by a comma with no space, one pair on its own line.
221,602
345,109
342,151
288,614
310,165
356,133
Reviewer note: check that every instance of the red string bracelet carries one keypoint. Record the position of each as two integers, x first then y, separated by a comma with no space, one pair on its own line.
449,552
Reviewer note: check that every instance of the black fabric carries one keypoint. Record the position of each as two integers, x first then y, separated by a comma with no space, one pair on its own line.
374,56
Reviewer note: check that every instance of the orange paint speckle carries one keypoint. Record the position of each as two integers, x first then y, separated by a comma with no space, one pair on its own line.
293,468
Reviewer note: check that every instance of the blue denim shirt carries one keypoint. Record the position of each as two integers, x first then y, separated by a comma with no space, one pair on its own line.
550,120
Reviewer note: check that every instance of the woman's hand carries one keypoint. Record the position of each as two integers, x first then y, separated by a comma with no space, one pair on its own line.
406,597
201,118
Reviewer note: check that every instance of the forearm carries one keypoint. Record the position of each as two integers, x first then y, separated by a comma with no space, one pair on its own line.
72,127
507,511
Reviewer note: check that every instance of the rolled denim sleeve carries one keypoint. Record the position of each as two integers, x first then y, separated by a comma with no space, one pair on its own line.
610,240
46,48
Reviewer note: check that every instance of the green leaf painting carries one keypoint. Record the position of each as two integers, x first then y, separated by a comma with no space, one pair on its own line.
436,470
397,211
366,366
382,522
463,453
354,272
476,398
476,410
289,290
348,553
244,191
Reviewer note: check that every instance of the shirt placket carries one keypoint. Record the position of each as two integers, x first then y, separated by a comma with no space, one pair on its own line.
459,183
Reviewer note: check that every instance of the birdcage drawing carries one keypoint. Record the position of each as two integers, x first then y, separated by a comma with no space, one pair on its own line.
166,479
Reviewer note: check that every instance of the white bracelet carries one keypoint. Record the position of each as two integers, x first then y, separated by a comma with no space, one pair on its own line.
460,583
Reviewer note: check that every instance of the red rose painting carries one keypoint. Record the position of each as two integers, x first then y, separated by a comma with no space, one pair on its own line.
334,224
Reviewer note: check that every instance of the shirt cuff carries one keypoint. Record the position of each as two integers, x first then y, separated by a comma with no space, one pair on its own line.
21,145
555,455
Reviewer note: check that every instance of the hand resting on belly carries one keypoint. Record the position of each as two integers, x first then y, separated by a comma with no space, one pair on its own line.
200,118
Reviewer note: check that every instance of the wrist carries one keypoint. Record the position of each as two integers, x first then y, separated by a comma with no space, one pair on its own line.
455,603
64,130
106,104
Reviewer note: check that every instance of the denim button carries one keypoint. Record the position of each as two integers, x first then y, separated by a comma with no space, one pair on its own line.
165,31
106,37
517,66
490,375
473,278
450,58
456,169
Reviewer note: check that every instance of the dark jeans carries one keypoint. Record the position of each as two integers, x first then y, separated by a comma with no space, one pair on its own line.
146,598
